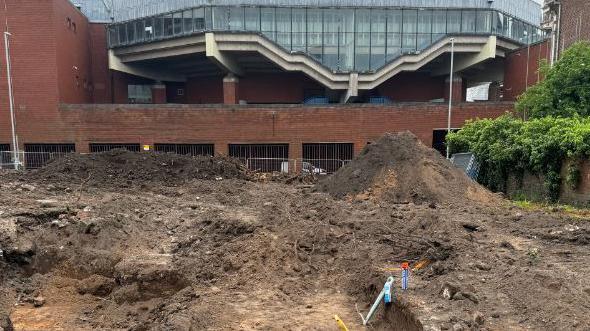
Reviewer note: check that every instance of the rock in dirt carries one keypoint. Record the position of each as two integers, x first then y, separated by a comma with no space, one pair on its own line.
449,290
398,168
96,285
22,253
38,301
155,274
5,323
478,318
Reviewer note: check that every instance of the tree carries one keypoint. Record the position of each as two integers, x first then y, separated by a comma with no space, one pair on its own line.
565,91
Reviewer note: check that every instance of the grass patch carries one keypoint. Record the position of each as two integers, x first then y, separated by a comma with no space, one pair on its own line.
574,211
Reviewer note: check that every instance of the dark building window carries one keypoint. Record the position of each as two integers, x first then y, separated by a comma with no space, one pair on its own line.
99,148
5,155
186,149
438,140
139,93
262,157
325,158
37,155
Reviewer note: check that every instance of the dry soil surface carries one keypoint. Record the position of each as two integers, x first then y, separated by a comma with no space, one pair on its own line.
82,250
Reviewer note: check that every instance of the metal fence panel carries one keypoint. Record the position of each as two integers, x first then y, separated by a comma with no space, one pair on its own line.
186,149
100,148
37,155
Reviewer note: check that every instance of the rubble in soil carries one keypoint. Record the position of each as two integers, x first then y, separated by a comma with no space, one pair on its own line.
185,252
123,168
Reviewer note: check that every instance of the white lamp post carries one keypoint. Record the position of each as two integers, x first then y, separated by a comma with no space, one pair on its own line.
450,94
11,101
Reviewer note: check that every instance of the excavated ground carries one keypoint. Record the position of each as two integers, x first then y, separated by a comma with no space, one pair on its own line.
82,250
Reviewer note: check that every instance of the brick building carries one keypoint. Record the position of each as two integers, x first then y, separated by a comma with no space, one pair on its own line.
566,23
253,79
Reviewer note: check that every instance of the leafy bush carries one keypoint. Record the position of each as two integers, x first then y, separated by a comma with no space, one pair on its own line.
573,176
565,91
510,145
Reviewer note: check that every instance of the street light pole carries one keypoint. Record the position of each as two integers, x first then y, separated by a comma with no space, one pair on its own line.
11,101
450,94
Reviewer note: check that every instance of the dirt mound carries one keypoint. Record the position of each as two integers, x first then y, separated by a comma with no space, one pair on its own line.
123,168
399,168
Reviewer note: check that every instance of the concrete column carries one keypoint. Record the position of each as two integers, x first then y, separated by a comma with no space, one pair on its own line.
158,93
230,90
458,90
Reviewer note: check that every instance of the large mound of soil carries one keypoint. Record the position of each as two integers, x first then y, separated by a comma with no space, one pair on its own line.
399,168
120,167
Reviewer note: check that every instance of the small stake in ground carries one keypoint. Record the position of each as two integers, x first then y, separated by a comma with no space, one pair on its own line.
340,323
405,275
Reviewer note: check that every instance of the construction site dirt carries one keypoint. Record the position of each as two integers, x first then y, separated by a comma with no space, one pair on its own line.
165,242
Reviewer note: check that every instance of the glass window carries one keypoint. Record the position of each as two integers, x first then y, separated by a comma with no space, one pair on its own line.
159,27
187,19
139,31
284,27
497,22
453,21
299,29
468,23
484,21
148,28
410,20
314,33
439,22
378,26
113,36
394,36
208,18
130,32
139,93
168,26
220,18
236,18
252,18
268,25
346,50
199,19
424,29
363,39
177,21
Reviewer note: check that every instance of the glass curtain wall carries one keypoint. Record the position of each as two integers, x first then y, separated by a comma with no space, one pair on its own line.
342,39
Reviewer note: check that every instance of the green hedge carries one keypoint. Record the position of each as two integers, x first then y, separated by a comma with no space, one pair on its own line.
510,145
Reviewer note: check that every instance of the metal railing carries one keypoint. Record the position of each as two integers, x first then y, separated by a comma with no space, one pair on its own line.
295,166
27,160
319,167
342,39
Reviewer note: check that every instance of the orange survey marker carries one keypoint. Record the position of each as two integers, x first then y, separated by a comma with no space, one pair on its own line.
419,265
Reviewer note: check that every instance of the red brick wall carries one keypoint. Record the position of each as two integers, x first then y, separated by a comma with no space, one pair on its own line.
515,69
100,73
34,69
204,90
574,22
294,124
71,29
413,86
276,88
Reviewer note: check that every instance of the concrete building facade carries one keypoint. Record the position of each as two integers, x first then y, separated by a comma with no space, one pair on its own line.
242,73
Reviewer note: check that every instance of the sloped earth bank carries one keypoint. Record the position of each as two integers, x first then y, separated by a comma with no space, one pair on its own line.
233,254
